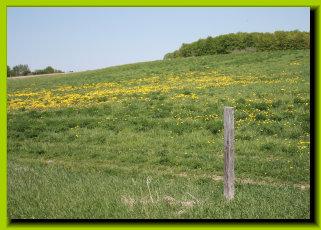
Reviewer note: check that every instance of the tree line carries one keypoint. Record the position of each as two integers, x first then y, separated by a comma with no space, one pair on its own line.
23,70
244,42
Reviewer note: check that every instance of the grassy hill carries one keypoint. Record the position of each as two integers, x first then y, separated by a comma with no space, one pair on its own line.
145,140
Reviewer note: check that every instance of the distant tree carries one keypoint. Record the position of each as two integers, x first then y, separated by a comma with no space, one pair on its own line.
210,47
49,69
38,71
27,72
20,70
9,72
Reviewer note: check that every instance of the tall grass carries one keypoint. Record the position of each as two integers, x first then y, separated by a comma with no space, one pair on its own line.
54,193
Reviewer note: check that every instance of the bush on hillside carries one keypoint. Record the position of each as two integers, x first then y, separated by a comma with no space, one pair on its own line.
244,42
47,70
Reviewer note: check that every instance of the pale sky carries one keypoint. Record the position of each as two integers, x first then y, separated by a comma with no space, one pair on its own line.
88,38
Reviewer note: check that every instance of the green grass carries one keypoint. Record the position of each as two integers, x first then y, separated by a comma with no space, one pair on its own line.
81,148
53,193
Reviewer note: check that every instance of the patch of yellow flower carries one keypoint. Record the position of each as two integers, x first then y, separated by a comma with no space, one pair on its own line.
303,145
106,92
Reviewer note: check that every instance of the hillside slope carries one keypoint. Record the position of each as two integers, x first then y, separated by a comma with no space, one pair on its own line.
160,124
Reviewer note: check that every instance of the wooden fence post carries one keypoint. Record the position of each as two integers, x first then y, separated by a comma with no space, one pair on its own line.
228,153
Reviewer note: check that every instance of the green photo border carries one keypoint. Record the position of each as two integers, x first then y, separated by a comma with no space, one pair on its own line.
5,223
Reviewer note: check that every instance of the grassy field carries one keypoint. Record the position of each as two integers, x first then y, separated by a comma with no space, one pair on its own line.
145,140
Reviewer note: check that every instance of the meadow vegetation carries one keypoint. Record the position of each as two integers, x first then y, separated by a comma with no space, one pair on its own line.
145,140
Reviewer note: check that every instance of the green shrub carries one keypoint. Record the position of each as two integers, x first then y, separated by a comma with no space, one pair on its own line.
244,43
47,70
